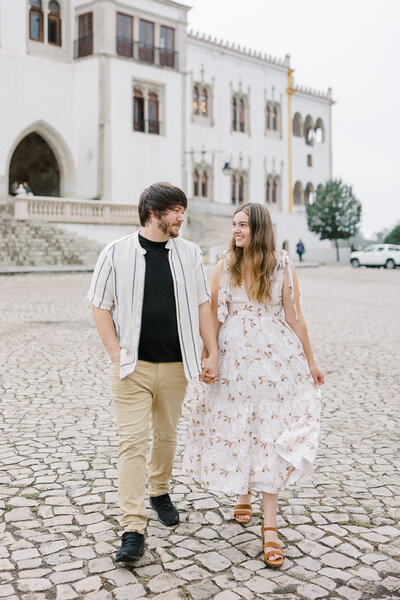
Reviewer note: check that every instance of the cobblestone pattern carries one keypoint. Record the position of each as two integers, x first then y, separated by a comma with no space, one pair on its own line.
58,514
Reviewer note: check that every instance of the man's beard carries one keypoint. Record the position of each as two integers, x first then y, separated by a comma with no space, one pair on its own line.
167,229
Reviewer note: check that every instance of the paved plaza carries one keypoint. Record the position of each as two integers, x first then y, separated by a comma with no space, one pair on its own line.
58,448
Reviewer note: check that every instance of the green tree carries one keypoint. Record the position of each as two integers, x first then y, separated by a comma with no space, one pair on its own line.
394,236
335,214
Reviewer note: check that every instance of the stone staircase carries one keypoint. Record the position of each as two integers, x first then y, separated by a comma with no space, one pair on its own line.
211,232
33,243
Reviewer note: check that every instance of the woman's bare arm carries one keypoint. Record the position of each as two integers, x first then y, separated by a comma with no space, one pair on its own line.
299,325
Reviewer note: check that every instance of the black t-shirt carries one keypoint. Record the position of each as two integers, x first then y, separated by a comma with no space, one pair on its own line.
159,340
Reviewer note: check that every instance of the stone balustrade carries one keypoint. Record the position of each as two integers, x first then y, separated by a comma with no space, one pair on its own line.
69,210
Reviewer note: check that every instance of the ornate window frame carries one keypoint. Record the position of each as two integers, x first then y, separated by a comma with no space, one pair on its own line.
240,102
54,15
199,116
239,187
148,90
273,181
273,119
203,169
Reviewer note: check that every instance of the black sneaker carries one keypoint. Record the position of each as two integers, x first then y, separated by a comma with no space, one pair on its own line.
167,513
132,547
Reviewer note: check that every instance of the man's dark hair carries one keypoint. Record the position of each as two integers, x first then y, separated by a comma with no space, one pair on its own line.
158,199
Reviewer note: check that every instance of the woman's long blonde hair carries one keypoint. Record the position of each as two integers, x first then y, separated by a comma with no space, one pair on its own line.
259,255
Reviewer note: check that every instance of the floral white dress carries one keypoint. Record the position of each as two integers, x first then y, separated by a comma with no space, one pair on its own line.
258,426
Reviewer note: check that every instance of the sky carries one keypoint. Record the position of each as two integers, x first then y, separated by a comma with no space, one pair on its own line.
352,46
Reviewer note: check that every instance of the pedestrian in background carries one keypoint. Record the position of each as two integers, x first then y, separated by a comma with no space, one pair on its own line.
300,249
27,188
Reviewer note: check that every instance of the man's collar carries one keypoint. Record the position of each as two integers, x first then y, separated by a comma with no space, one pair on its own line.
142,250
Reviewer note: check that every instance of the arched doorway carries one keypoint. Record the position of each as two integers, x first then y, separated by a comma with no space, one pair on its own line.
35,162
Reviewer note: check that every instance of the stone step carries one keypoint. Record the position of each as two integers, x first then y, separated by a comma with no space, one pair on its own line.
32,243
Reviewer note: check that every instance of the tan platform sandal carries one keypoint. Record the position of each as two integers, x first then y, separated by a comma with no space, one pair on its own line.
275,564
245,510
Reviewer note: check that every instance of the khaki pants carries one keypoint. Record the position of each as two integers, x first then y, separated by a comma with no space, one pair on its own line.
156,390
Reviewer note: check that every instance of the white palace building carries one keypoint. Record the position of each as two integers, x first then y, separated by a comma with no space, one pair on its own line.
101,98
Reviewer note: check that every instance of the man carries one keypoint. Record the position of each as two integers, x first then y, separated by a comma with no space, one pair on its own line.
300,249
150,302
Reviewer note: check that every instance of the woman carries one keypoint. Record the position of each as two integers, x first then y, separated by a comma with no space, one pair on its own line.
258,425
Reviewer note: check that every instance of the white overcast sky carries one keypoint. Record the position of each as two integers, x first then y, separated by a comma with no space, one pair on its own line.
352,46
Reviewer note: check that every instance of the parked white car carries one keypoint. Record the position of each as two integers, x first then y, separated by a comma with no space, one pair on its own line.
378,255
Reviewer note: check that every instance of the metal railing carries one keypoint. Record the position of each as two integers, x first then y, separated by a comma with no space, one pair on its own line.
83,46
147,126
161,57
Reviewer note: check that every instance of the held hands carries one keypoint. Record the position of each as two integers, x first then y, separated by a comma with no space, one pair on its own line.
317,375
209,368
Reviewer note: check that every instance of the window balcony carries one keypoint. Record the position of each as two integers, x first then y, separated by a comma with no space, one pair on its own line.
125,47
147,126
160,57
153,126
83,46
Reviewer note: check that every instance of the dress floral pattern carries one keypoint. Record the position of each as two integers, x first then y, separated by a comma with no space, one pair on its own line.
258,426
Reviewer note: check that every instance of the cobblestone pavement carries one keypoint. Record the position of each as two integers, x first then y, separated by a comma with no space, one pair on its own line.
58,514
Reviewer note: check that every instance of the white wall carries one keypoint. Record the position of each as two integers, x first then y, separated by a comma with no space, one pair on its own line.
85,125
139,159
227,69
89,103
262,154
320,152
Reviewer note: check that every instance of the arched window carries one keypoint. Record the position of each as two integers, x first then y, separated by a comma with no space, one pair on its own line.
298,193
268,118
233,194
297,125
234,114
274,193
36,21
204,102
319,131
268,192
195,184
309,133
241,190
54,24
241,114
274,124
309,194
138,110
204,181
196,100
